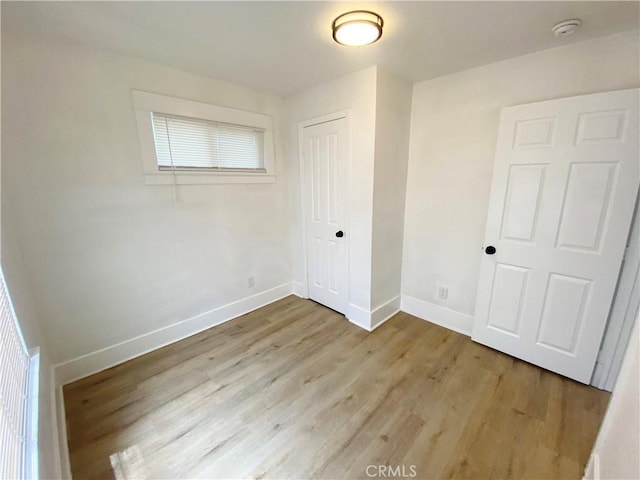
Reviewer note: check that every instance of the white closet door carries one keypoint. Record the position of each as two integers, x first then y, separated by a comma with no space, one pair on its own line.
325,157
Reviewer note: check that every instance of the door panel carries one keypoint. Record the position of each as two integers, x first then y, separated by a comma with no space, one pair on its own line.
334,185
316,273
534,133
564,186
334,267
325,172
563,311
586,205
522,203
599,127
509,289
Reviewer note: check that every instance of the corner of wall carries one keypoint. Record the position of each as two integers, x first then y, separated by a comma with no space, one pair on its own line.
370,320
391,159
300,290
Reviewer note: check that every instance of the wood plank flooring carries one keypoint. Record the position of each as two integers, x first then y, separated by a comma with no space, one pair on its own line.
293,390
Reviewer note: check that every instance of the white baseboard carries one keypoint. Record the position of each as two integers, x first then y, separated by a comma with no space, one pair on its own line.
370,320
359,316
384,312
300,290
104,358
592,470
60,423
59,455
445,317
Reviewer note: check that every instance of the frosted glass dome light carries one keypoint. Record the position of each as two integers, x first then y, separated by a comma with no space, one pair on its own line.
357,28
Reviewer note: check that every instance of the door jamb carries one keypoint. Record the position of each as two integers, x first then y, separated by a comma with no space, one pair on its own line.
623,311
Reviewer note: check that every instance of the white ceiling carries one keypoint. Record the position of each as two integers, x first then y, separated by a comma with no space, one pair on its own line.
283,47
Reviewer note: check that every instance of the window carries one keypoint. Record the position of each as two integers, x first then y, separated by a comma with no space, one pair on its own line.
187,142
14,392
183,143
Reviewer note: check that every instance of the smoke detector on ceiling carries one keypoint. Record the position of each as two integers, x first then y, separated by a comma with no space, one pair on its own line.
566,27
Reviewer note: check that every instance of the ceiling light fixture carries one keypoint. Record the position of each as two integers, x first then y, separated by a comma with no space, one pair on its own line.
357,28
566,27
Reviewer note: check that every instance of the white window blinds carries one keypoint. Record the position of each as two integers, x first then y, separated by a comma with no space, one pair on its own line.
14,365
190,143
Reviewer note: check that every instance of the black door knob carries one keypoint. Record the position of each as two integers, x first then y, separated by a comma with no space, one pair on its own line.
339,234
490,250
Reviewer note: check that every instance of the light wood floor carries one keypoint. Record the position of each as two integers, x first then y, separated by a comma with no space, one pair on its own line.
295,391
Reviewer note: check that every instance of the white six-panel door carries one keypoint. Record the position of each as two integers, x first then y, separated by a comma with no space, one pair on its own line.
325,169
564,187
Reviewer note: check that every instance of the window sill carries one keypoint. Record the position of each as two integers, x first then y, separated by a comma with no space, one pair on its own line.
207,178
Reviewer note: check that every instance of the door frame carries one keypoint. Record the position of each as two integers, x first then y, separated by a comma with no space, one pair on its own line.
304,194
623,312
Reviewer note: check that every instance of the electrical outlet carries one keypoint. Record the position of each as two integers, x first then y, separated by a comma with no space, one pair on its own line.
251,282
442,292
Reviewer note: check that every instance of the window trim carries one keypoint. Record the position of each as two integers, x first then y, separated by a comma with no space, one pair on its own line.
31,466
145,103
27,456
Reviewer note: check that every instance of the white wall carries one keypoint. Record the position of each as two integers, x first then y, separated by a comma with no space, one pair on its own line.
615,454
454,125
357,93
108,258
24,305
393,113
